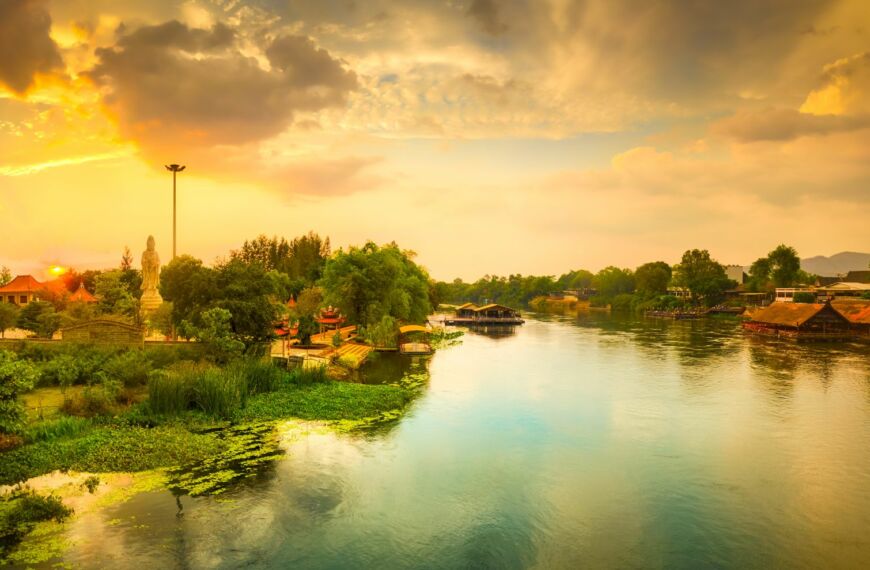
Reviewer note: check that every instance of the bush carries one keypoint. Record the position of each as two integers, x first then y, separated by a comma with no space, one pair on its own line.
16,377
131,368
804,297
170,391
21,509
95,400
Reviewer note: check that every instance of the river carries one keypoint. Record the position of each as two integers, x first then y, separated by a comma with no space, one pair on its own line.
592,442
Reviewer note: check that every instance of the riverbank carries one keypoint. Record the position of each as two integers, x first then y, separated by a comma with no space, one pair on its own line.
193,452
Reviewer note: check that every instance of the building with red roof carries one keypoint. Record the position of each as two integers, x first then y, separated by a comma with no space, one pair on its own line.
25,289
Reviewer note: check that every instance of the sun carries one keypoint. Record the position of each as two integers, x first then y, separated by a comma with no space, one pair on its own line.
57,270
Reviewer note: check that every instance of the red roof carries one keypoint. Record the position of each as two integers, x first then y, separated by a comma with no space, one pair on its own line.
22,284
82,294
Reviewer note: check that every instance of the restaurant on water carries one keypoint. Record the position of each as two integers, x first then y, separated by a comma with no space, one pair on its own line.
800,321
490,314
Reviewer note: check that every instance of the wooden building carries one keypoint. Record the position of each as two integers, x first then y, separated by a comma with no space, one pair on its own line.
25,289
800,321
330,319
491,314
858,313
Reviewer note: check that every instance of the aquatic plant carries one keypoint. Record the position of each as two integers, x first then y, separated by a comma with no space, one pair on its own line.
21,510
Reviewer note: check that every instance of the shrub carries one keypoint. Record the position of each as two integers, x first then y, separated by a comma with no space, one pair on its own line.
94,400
336,339
130,368
21,509
170,391
16,377
804,297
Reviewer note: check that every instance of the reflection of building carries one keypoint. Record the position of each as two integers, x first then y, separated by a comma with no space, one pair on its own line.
330,319
25,289
800,320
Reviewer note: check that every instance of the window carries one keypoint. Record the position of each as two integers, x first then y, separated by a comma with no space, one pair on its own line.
11,298
23,299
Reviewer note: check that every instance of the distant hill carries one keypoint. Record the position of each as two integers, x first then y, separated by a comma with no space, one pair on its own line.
836,264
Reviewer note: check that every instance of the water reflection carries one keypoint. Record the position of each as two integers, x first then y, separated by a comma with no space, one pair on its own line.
590,442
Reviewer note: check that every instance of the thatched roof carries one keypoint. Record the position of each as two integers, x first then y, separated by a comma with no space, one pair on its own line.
857,311
787,314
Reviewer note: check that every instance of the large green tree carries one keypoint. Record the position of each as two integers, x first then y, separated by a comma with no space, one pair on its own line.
39,317
372,281
785,266
652,278
16,377
703,276
302,258
612,281
8,317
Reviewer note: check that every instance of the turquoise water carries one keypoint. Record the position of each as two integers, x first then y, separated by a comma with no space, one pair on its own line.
571,443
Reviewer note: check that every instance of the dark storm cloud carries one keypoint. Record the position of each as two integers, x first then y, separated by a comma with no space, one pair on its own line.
783,125
25,45
486,13
170,84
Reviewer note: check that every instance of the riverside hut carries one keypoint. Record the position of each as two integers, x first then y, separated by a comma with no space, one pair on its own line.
858,313
800,321
413,340
490,314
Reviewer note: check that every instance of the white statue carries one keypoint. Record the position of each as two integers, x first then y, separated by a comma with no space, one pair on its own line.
151,298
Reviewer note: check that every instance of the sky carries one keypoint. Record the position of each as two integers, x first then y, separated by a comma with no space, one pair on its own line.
487,136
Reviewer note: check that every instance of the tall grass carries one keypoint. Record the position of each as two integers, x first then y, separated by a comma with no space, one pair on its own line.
219,392
62,428
170,391
302,376
262,376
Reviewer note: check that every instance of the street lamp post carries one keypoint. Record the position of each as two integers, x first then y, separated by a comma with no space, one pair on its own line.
174,169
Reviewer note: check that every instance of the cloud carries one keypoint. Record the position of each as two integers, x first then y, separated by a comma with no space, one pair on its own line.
844,89
782,125
25,45
486,13
170,86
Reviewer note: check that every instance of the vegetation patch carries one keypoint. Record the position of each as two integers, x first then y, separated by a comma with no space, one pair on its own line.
21,510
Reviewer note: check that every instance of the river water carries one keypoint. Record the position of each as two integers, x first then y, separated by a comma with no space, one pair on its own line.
571,443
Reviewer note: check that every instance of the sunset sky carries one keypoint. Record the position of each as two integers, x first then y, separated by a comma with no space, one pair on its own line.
489,136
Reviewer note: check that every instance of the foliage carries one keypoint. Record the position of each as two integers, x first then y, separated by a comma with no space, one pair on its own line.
865,295
306,375
220,392
216,334
95,400
63,427
302,259
337,340
16,377
652,278
131,368
514,290
370,282
189,286
262,376
8,317
109,448
384,334
326,401
780,268
308,302
804,297
306,327
161,319
612,281
702,275
39,317
113,289
5,275
21,509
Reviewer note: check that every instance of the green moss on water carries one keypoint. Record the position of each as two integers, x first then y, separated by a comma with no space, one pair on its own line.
326,401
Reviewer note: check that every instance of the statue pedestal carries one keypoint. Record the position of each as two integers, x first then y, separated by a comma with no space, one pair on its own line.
150,302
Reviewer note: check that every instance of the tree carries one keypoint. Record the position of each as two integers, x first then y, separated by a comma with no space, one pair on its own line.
8,317
652,278
126,259
190,287
372,281
216,333
309,301
5,275
16,377
702,275
39,317
804,297
115,297
302,259
612,281
785,266
759,274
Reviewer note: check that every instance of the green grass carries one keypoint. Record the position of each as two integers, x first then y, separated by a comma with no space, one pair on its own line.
62,427
325,401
